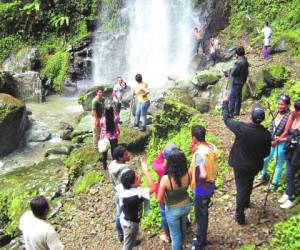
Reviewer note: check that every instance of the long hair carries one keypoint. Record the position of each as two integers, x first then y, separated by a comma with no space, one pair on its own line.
109,119
177,166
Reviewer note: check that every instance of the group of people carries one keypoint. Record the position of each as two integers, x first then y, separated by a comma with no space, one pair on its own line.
106,118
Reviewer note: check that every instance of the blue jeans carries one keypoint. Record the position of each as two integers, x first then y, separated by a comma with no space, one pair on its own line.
141,112
235,99
164,223
177,221
279,164
201,216
244,184
118,213
290,179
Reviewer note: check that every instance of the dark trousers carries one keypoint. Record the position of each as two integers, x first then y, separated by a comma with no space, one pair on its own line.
291,171
244,184
235,99
201,215
117,106
113,145
199,43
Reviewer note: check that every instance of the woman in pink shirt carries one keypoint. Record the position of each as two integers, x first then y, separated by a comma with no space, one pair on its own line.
109,129
160,168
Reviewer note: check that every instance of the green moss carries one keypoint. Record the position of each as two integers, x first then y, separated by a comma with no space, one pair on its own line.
87,181
275,75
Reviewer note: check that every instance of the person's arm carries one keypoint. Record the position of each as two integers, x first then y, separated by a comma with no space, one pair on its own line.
229,122
162,189
53,242
149,179
94,114
201,165
288,125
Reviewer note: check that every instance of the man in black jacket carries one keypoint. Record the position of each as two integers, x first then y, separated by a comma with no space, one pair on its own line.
239,74
251,145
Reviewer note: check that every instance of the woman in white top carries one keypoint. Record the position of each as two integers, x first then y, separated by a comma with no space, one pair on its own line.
267,39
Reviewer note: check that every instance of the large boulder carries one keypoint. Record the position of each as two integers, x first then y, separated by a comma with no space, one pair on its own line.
26,59
279,46
204,78
276,75
8,84
258,86
86,97
180,94
13,123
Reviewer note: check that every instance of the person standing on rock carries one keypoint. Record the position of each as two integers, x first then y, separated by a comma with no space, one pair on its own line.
202,171
199,34
142,105
118,92
267,31
251,145
239,74
277,128
109,128
116,168
97,112
37,233
213,50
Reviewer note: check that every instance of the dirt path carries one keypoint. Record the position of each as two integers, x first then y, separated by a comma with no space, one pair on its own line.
89,221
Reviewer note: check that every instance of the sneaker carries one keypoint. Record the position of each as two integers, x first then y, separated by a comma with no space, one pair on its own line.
287,205
121,238
262,179
271,188
164,238
283,199
240,220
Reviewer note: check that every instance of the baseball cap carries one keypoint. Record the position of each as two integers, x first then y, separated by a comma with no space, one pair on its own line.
168,149
257,114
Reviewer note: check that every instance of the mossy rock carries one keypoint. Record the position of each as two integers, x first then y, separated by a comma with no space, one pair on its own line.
13,123
8,84
204,78
84,126
260,87
134,139
276,75
86,97
202,104
60,150
180,94
172,116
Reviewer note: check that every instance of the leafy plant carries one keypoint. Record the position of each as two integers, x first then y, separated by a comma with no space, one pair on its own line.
87,181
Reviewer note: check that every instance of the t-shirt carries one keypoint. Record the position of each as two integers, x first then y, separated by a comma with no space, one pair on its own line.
131,202
116,170
119,91
98,106
267,35
140,91
38,234
202,188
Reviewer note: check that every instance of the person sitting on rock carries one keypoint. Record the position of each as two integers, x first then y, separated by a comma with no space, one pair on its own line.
277,128
118,92
109,125
37,233
116,168
143,102
132,197
97,112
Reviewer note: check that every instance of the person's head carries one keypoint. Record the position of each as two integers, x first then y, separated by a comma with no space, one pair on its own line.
196,29
283,103
177,165
257,114
297,107
109,119
100,92
198,134
130,180
240,51
139,78
40,207
168,149
267,24
121,154
119,80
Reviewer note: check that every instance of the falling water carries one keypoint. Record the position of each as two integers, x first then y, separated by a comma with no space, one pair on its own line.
158,42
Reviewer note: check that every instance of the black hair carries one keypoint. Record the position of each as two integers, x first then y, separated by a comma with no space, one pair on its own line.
100,88
286,99
39,206
177,165
128,178
139,78
110,119
240,51
297,105
199,132
267,23
119,152
257,114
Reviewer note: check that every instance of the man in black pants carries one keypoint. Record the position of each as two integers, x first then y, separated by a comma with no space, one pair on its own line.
239,74
251,145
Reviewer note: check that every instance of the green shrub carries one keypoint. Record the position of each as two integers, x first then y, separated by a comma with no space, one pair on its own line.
87,181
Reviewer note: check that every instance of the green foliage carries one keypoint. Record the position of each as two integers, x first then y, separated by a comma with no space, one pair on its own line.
247,247
57,68
6,109
8,44
152,220
87,181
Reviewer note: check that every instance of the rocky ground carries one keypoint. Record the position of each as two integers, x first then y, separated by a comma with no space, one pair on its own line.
88,220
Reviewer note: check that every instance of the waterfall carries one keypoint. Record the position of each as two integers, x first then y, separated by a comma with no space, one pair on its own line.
158,42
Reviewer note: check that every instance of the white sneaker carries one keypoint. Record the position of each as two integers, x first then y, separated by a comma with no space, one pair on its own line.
287,205
283,199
